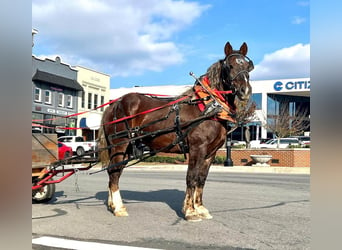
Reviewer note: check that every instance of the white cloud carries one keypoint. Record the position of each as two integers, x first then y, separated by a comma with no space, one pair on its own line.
292,62
122,37
303,3
298,20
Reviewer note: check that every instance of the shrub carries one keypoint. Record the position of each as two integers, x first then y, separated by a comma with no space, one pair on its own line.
219,160
179,159
165,159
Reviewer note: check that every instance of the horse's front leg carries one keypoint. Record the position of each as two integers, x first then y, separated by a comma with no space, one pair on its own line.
198,200
201,211
198,170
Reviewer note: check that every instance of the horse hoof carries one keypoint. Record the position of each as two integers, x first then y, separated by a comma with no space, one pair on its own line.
206,216
121,213
193,218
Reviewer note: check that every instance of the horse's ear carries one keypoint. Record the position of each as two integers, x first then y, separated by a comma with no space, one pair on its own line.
244,49
228,49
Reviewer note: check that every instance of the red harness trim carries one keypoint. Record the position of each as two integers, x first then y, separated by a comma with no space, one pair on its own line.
200,93
126,117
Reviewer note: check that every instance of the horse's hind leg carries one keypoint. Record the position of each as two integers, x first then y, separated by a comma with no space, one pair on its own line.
114,198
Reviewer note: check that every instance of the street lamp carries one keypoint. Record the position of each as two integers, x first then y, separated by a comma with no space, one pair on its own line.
228,162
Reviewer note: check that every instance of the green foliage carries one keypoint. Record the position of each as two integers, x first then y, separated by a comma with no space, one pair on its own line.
179,159
166,159
219,160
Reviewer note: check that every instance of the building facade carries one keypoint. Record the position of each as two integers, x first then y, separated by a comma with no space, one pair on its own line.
96,89
273,97
55,93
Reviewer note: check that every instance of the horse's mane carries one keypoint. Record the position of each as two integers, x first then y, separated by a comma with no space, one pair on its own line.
213,73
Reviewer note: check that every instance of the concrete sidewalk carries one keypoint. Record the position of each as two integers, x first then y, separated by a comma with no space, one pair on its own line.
213,168
218,168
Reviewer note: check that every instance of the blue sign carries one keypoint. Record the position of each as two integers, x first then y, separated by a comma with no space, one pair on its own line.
299,85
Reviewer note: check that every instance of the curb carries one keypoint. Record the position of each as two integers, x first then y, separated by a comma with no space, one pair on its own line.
215,168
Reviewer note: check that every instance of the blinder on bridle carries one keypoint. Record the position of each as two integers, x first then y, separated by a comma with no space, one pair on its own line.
225,70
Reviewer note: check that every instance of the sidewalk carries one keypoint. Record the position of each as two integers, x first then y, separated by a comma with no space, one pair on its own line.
218,168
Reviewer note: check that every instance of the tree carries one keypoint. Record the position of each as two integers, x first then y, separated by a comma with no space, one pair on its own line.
286,124
245,113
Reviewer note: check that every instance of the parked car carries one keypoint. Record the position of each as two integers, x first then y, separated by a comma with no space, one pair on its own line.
77,143
36,130
64,151
283,143
257,143
304,140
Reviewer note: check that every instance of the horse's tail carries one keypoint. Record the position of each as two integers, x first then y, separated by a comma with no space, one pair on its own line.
103,155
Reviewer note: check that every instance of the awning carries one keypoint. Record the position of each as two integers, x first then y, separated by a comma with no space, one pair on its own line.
56,79
83,123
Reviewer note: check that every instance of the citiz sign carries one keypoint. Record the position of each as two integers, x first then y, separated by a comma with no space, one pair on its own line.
299,85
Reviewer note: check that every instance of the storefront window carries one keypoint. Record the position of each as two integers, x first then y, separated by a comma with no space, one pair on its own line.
257,98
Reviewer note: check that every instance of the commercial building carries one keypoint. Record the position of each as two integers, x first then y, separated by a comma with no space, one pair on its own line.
66,96
96,86
55,93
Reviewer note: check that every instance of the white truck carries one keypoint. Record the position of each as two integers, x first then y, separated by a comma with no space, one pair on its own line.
77,143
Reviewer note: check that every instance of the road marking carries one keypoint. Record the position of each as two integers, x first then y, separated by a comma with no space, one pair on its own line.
80,245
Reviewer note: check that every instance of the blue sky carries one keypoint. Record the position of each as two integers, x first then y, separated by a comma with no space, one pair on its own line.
158,42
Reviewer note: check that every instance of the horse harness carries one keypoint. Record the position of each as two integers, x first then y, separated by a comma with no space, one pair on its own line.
211,104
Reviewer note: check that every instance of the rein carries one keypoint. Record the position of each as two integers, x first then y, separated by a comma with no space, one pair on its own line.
147,111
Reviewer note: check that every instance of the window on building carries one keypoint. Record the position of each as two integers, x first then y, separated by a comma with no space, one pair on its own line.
69,101
37,95
89,100
48,97
102,102
257,98
60,99
272,105
95,101
83,100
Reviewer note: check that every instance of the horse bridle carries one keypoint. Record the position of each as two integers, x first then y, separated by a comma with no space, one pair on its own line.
225,71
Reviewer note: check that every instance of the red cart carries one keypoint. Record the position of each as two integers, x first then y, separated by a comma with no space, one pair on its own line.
47,169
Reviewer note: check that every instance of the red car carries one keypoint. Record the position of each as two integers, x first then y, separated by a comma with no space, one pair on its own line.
64,151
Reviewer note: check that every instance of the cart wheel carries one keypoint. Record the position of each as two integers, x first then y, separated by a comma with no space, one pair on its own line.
44,194
80,151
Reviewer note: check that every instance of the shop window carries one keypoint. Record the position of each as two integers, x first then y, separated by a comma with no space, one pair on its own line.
37,95
89,100
95,101
83,100
257,98
69,101
48,97
60,99
102,102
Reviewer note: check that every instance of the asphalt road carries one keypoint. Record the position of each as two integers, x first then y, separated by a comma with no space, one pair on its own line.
250,211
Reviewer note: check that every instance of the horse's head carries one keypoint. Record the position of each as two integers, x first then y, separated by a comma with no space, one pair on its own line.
235,68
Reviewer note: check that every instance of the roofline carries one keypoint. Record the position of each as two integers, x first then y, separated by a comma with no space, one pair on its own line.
54,60
77,66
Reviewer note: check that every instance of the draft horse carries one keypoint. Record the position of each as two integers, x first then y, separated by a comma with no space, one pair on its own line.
179,125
